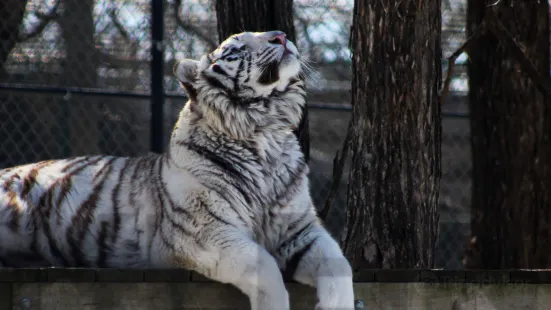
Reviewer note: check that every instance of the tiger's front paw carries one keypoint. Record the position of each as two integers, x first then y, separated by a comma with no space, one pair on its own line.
335,293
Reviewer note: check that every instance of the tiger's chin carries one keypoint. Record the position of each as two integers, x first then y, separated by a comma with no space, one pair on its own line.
289,69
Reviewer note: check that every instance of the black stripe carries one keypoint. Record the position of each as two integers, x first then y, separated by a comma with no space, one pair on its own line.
10,181
228,51
263,54
164,191
15,212
179,226
294,237
292,187
102,245
36,225
83,217
66,185
146,162
157,190
226,166
133,182
226,244
74,162
173,206
236,77
292,262
231,58
215,83
164,238
46,202
106,166
248,101
115,202
265,57
226,197
294,224
218,69
249,65
30,179
215,216
80,168
292,265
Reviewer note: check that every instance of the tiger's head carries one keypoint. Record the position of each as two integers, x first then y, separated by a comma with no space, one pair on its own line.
251,80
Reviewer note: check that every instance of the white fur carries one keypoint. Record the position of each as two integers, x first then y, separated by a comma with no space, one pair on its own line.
230,199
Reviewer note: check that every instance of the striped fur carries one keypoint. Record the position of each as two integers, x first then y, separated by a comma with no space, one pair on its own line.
229,199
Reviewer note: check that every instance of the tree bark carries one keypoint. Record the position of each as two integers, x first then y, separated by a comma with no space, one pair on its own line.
392,211
510,126
252,15
80,69
11,17
78,31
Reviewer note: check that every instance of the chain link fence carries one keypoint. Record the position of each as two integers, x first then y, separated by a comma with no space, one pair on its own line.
75,79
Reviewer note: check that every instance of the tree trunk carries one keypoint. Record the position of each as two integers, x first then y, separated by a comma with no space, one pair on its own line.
392,212
78,30
510,215
81,65
11,17
236,16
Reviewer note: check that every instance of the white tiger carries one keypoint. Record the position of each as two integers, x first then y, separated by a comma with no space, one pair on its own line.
229,199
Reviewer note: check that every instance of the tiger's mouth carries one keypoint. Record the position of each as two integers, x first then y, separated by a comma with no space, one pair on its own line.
270,74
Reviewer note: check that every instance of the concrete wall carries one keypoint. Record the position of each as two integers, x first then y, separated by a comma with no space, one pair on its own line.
80,289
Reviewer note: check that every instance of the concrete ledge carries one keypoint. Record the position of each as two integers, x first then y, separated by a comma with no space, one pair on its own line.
59,288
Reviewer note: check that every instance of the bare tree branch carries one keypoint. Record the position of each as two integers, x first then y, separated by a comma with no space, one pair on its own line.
338,9
453,57
208,39
45,19
304,24
494,25
501,32
112,12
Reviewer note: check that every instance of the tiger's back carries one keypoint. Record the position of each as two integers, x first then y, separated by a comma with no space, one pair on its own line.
229,199
81,211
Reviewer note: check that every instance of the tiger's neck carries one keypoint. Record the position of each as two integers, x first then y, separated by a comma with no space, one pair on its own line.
263,167
263,145
265,127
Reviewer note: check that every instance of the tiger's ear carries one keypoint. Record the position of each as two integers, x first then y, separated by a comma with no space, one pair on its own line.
186,72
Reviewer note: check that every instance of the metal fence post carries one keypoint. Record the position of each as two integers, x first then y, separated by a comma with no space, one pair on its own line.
157,75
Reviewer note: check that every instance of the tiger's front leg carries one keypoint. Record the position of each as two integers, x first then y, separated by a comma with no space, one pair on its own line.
314,258
236,259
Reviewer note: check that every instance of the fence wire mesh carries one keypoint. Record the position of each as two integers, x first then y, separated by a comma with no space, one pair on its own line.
104,45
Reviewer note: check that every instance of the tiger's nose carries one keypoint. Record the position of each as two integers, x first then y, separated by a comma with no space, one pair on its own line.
279,38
